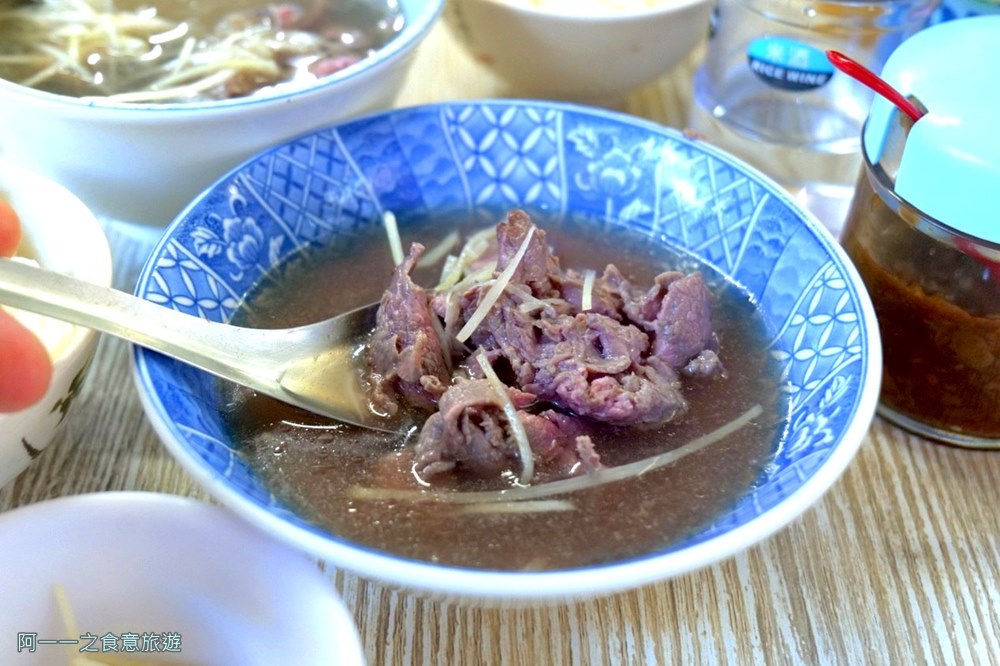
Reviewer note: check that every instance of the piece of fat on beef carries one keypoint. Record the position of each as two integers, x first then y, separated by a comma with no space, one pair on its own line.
470,434
705,365
594,366
405,353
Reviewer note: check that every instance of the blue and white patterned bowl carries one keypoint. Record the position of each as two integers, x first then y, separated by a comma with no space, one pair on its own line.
482,156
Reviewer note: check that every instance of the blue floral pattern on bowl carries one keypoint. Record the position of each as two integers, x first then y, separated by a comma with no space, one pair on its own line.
481,156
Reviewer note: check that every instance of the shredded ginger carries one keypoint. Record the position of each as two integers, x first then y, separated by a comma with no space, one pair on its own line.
564,486
392,231
516,427
495,291
586,300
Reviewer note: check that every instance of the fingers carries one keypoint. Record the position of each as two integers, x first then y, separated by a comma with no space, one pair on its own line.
10,230
25,368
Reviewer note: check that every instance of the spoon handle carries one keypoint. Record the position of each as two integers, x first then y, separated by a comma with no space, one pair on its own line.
227,351
866,77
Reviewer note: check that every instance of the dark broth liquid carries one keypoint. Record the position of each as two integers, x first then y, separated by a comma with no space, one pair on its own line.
311,465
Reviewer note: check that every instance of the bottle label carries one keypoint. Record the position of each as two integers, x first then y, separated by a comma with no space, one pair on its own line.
950,10
788,64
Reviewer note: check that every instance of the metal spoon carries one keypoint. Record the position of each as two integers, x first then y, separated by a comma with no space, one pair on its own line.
317,367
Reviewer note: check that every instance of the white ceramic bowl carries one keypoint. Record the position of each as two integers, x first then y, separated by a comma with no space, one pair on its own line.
146,563
474,158
62,235
143,162
595,59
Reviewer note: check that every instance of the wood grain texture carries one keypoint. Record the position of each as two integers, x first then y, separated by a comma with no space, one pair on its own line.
898,564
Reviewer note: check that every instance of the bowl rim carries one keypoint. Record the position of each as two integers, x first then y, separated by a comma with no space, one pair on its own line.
412,34
492,585
611,16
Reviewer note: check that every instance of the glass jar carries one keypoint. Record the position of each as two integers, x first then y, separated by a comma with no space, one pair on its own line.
767,93
936,292
960,9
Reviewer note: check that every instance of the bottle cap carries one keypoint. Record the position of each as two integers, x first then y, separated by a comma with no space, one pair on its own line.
950,163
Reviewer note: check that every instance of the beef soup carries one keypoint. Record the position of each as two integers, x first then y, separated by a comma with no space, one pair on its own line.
582,400
177,51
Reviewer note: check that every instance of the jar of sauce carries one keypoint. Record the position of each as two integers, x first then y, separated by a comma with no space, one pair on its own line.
924,233
938,306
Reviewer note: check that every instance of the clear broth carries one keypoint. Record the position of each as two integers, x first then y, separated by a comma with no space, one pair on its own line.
311,464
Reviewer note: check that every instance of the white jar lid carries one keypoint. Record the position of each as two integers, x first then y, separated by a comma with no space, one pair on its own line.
950,166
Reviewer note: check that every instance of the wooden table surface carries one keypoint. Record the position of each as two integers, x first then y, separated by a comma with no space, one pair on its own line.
899,563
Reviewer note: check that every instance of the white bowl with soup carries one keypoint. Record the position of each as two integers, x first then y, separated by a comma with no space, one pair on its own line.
641,456
60,234
137,109
589,51
156,579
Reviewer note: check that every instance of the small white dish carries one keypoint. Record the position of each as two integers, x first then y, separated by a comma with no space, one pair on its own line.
150,563
572,51
62,235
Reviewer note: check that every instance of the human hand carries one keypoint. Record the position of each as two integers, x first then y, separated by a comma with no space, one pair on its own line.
25,367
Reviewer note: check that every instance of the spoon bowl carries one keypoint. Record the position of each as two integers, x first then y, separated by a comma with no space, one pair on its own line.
318,367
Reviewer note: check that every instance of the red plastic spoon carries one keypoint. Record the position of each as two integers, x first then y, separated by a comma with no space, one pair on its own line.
859,72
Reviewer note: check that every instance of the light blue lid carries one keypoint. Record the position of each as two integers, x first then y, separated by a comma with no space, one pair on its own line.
950,167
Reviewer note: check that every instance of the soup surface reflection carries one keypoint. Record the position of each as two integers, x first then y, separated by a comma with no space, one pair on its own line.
313,465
